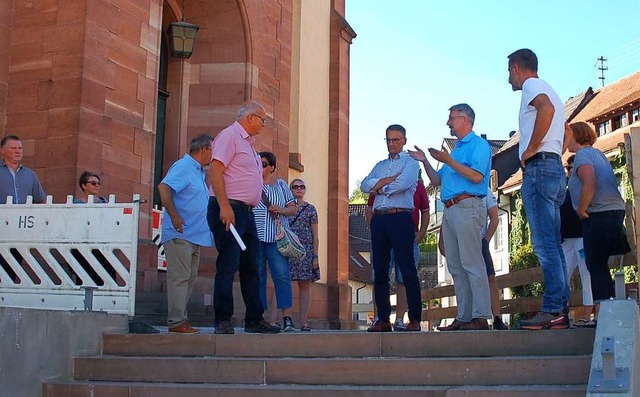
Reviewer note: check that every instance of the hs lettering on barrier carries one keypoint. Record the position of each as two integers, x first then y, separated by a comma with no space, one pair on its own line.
26,222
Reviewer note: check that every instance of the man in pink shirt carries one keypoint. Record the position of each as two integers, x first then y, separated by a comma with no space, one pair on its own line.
235,175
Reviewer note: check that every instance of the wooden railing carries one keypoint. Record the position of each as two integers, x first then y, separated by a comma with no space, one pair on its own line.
509,306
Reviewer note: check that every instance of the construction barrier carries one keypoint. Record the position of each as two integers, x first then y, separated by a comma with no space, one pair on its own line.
69,256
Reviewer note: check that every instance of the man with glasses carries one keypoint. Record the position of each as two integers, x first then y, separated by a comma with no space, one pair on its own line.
542,133
464,178
393,181
236,187
185,196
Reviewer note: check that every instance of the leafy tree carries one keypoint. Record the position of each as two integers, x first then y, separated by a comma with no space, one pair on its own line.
358,196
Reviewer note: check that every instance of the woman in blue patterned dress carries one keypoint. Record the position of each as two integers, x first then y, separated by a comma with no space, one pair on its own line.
305,225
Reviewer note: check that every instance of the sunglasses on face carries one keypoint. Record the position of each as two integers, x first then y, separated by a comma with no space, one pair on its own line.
94,183
265,165
296,187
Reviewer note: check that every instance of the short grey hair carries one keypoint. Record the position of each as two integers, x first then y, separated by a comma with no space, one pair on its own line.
200,142
466,110
248,108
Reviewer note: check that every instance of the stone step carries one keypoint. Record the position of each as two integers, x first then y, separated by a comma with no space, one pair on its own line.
568,370
127,389
356,344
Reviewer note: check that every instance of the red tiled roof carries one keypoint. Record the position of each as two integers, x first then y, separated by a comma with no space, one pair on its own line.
575,104
495,144
611,98
359,267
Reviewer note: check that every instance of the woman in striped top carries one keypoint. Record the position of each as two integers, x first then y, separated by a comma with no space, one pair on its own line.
279,204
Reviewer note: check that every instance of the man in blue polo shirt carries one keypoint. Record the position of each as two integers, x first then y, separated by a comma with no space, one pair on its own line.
464,178
185,197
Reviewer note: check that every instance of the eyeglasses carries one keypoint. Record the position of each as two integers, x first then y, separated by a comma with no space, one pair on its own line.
265,164
264,119
393,140
94,183
298,187
451,118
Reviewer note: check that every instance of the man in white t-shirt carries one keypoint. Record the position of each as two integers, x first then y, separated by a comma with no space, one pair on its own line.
542,132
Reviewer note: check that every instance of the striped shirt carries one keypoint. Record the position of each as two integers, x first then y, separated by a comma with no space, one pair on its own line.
280,195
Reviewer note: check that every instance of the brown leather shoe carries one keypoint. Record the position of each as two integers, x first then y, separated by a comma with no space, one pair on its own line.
455,325
380,326
412,326
183,328
476,324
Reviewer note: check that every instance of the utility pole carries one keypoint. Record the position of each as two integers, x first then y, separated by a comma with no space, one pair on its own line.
602,68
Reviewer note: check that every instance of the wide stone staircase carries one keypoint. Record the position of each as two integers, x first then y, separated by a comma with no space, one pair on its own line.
335,363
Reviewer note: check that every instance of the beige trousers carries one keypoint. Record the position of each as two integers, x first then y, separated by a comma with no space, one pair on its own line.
183,258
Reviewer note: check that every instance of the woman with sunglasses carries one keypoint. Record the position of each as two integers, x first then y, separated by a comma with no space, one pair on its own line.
90,185
305,225
277,204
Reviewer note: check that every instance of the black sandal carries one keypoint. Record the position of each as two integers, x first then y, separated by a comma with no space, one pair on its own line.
305,328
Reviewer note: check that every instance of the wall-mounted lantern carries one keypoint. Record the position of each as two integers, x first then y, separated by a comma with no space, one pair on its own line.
182,37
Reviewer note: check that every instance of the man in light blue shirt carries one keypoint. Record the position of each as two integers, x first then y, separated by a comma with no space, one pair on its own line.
464,178
393,181
185,197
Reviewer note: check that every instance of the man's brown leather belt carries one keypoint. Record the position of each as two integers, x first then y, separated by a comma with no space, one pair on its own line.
237,203
388,211
457,199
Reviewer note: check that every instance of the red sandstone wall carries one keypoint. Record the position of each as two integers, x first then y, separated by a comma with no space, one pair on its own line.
5,45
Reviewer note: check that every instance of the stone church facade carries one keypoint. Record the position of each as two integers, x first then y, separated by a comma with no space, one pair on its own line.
90,85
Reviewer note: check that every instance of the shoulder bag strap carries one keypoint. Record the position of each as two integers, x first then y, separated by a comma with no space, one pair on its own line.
299,213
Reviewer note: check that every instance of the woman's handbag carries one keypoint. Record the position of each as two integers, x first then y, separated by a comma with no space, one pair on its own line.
621,245
287,242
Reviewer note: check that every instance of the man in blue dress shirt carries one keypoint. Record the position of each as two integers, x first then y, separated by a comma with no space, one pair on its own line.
464,178
393,181
185,197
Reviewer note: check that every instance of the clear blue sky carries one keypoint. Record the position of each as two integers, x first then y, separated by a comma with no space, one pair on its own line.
413,59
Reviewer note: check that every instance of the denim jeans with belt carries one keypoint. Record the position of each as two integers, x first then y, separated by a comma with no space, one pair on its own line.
279,269
543,191
231,260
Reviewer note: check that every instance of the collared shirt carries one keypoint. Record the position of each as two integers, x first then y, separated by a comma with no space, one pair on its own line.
233,147
552,141
420,204
474,152
191,198
399,193
23,183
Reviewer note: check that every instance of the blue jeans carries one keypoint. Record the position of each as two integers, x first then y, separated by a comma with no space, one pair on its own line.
543,191
231,260
279,268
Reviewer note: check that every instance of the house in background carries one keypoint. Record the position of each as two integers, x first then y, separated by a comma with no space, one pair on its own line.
360,270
